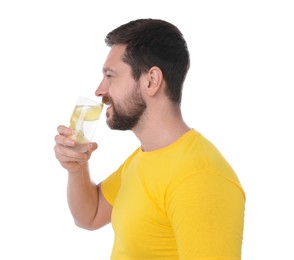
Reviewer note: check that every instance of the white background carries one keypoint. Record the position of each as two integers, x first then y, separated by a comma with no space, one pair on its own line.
239,94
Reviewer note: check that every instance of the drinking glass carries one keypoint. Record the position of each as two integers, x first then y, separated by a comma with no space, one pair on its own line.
84,119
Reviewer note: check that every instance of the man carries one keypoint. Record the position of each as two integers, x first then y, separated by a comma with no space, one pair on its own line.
175,197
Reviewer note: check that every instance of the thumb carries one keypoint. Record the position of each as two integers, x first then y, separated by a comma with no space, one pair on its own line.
92,147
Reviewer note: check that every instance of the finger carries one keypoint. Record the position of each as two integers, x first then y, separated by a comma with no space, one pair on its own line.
92,147
67,159
64,153
65,141
64,130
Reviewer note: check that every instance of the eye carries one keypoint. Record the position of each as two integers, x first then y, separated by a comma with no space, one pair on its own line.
108,76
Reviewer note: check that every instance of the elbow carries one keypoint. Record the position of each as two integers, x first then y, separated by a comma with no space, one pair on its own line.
86,226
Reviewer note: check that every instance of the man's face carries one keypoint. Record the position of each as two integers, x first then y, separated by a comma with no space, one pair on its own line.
121,92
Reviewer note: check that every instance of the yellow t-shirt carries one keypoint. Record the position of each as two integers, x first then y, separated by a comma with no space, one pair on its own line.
183,202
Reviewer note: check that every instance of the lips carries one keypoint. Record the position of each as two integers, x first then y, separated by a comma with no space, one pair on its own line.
106,100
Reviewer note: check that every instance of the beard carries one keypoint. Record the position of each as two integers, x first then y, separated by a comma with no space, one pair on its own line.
126,116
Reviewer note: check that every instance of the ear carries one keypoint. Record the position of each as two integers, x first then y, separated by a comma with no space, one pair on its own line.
154,77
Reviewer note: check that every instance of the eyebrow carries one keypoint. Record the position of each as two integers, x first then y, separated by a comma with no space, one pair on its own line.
105,70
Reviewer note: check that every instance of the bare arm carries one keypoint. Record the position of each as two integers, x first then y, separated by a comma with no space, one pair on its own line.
87,204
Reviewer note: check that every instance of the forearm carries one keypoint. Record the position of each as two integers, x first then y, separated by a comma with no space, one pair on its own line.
82,196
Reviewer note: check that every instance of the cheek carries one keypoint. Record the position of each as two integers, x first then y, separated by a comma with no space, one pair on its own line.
117,93
121,88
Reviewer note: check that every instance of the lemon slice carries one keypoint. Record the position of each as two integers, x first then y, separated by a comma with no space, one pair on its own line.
79,137
93,113
80,115
75,116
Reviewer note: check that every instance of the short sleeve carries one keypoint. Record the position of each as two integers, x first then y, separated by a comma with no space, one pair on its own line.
206,212
110,186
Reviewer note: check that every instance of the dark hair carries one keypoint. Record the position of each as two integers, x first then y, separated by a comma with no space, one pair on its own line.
154,42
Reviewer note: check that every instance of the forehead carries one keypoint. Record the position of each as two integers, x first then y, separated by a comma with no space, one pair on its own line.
114,60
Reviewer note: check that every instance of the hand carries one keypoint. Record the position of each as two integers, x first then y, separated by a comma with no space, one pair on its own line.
71,155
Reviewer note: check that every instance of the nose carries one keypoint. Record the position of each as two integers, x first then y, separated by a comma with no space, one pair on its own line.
102,90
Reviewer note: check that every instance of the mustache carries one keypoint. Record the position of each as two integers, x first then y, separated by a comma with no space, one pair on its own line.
107,100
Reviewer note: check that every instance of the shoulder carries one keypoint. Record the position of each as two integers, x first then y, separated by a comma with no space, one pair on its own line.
199,160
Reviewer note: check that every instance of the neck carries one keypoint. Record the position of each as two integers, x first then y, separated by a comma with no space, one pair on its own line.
160,128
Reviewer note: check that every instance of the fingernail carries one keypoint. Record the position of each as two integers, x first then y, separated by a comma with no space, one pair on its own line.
92,145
